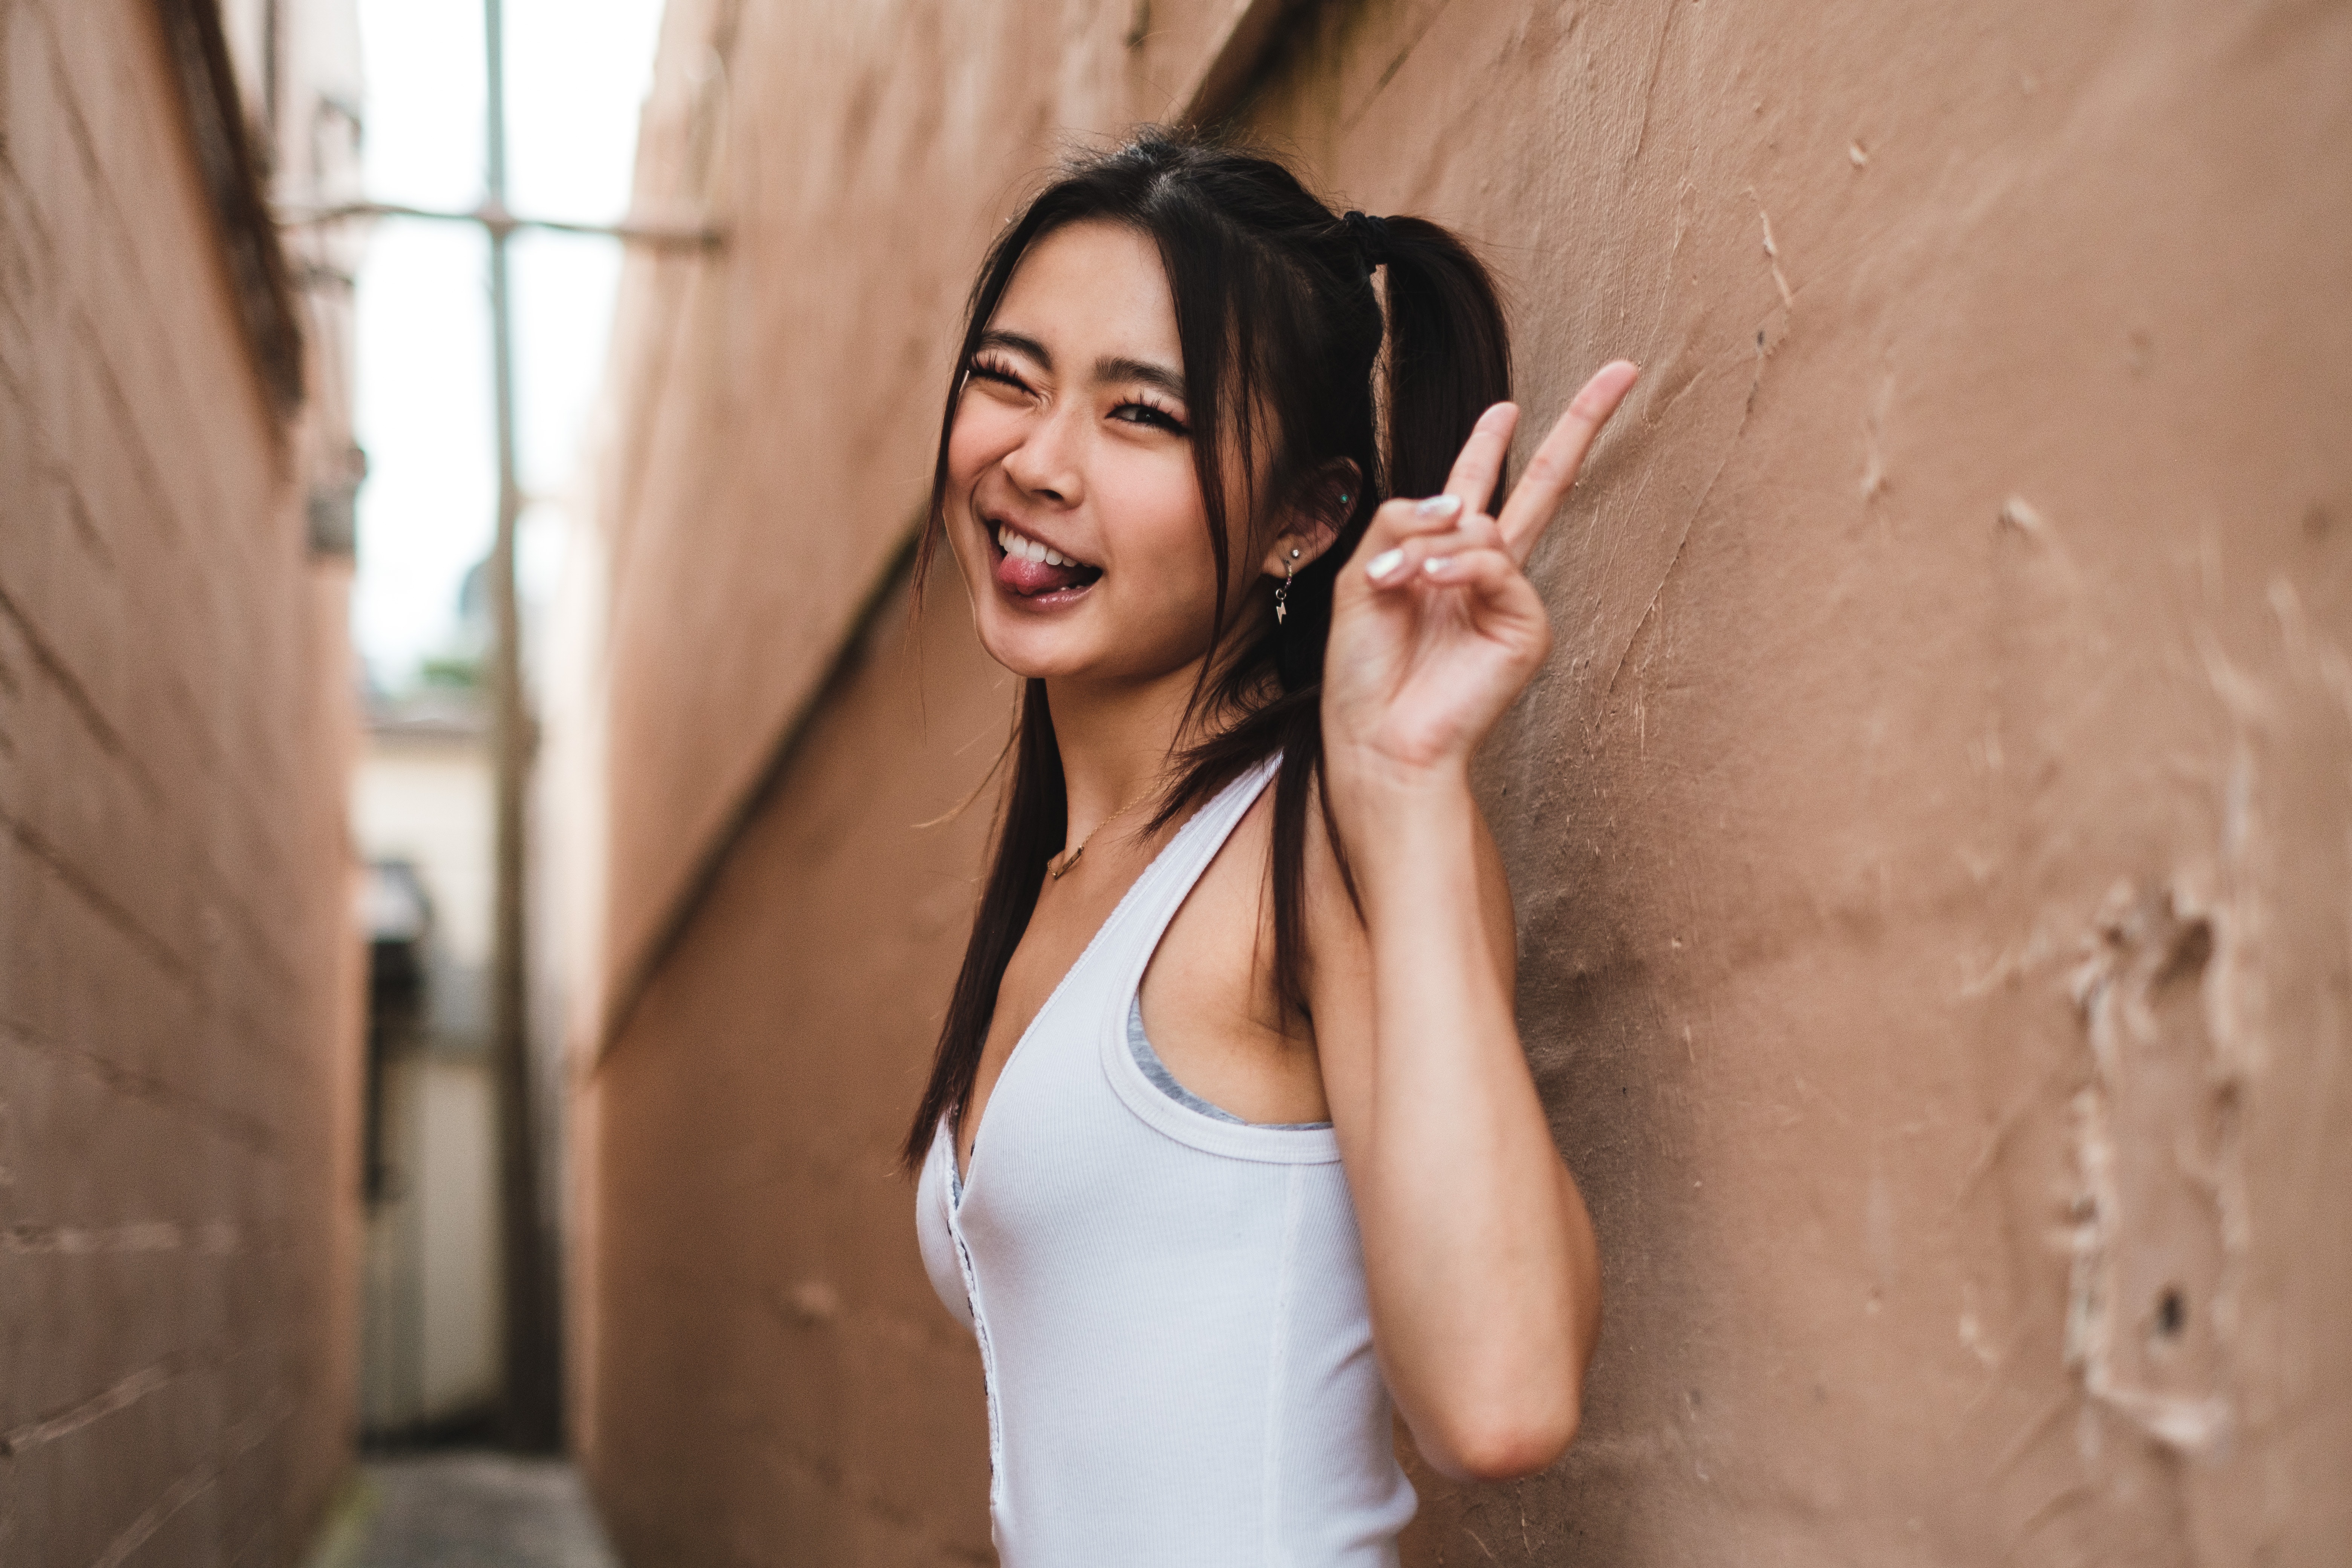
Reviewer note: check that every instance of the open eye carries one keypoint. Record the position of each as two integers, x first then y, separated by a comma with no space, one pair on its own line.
1135,411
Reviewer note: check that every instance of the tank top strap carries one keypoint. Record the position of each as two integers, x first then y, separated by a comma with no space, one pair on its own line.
1143,916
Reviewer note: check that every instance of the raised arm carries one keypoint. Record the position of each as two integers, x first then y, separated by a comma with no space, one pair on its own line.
1479,1256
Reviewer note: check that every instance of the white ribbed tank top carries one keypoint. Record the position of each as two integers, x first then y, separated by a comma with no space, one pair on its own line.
1170,1307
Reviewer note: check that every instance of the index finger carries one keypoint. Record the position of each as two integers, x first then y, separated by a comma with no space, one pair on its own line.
1553,468
1480,462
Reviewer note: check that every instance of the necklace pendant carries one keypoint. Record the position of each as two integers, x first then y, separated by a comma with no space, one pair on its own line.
1059,866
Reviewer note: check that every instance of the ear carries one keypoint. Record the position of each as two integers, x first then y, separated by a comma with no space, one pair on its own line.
1311,524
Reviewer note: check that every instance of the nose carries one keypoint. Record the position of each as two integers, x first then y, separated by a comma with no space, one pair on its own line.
1046,464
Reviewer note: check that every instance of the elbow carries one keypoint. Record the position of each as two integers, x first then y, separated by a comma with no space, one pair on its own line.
1504,1444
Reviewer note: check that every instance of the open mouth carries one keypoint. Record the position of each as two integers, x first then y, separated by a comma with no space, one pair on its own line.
1031,569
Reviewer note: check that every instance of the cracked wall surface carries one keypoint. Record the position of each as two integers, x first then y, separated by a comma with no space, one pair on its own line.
1931,838
179,1010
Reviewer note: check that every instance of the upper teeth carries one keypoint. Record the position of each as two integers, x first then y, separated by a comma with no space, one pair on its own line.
1028,549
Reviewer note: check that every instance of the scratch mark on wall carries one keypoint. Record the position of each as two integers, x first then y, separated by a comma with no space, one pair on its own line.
1772,255
2027,1435
1874,426
121,1396
199,1481
1996,1139
1649,86
2058,1502
217,1240
1683,191
1682,538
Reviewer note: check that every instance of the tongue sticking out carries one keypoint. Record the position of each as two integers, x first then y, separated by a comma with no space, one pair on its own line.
1031,578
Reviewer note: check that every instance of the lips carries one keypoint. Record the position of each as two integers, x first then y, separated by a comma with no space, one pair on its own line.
1031,569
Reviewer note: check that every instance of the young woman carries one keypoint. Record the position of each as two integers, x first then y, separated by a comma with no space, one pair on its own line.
1231,1140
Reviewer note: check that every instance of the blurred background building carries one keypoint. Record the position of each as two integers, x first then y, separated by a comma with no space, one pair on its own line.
430,1306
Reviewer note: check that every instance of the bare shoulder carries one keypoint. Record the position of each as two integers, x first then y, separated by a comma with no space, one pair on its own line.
1211,1008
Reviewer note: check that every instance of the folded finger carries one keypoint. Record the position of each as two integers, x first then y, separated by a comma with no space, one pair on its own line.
1484,570
1395,565
1499,593
1397,521
1554,467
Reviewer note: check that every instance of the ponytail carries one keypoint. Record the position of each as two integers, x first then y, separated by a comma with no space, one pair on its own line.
1449,355
1277,311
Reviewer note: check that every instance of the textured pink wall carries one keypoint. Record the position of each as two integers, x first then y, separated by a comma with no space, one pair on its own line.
178,1005
1931,837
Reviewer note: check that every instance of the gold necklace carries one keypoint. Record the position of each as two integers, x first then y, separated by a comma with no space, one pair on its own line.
1059,866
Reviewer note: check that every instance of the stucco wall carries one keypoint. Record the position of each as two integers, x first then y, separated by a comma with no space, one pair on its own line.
178,1002
1930,837
1933,834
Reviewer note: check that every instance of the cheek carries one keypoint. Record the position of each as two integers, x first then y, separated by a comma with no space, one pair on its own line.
964,458
983,432
1154,502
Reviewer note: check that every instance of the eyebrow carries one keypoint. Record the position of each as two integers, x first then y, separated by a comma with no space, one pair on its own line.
997,338
1111,367
1115,368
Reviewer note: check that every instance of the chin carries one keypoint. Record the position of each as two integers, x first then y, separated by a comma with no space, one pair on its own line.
1023,651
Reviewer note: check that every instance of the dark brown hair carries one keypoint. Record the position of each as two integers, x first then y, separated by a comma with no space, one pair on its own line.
1275,312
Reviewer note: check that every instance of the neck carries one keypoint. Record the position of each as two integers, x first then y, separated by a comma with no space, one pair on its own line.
1116,742
1118,738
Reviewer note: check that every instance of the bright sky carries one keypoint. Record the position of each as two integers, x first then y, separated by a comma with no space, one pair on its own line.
576,73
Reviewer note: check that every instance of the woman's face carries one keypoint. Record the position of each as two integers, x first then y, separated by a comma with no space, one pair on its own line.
1072,505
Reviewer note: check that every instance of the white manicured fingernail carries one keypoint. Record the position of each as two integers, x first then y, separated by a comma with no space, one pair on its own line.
1438,565
1383,566
1438,506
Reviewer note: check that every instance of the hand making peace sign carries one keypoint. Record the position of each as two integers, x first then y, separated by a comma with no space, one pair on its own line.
1434,629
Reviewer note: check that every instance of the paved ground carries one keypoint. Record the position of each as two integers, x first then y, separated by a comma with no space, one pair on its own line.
465,1510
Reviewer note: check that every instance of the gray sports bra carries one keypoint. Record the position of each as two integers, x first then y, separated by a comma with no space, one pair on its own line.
1139,1047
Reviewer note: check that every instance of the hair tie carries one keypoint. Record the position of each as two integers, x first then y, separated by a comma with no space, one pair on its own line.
1371,236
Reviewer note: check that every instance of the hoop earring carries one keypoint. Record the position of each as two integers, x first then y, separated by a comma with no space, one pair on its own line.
1281,594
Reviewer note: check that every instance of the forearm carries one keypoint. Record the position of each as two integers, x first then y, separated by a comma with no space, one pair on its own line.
1484,1277
1478,1253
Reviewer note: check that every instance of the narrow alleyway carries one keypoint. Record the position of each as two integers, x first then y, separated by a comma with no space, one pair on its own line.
467,1510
